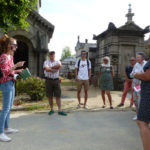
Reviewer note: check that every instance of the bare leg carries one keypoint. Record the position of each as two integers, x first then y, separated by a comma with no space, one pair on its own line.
103,96
58,101
145,134
136,99
85,97
79,97
51,102
109,97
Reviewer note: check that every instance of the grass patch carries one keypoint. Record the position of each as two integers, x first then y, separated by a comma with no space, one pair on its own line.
68,83
37,107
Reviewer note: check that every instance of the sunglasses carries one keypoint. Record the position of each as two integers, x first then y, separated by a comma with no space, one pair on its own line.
14,47
83,53
132,60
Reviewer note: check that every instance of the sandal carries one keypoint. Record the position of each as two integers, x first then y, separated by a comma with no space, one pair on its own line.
103,106
111,107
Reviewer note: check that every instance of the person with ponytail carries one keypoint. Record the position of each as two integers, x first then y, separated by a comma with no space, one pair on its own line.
8,46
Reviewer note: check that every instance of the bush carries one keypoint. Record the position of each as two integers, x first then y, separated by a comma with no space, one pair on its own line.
33,86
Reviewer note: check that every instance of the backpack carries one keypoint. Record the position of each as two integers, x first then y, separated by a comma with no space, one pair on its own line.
79,64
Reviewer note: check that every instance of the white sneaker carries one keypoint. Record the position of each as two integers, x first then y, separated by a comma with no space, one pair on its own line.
10,130
4,138
78,106
86,107
134,118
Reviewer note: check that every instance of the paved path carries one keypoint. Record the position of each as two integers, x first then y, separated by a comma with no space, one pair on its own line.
77,131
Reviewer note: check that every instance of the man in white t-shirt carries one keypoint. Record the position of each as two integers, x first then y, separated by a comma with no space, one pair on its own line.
51,71
83,74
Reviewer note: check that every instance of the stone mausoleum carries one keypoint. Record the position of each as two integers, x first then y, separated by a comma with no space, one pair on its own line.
33,45
120,44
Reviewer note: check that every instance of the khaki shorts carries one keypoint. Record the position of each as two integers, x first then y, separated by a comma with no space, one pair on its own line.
85,83
53,88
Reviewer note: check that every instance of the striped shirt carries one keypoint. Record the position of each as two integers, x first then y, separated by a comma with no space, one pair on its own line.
49,64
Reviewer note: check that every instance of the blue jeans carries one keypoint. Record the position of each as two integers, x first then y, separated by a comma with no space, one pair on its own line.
8,94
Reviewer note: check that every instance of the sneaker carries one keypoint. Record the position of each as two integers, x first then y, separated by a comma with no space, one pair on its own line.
51,112
78,106
134,118
10,130
120,105
86,107
4,138
62,113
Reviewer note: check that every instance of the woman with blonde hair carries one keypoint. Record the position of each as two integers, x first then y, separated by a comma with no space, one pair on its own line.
8,46
106,80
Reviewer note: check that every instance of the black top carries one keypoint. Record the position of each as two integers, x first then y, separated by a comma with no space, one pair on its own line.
147,66
128,71
144,109
145,85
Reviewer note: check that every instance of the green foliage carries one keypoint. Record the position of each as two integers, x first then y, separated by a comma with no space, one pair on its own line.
65,53
33,86
13,13
36,107
68,83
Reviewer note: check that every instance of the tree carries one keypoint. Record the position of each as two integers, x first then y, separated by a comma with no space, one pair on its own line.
65,53
13,13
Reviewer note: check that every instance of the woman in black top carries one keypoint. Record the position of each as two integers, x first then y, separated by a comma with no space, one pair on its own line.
144,109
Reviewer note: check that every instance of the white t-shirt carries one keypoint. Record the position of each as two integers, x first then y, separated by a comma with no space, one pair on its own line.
83,69
50,64
138,68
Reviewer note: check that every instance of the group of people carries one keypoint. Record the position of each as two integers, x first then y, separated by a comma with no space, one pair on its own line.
83,74
137,79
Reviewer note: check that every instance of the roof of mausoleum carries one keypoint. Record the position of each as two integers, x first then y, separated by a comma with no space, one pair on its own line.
42,22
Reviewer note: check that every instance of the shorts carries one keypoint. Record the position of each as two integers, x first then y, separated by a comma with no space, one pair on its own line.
53,88
85,83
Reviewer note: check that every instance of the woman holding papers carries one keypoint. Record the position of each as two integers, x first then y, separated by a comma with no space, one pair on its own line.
7,48
138,67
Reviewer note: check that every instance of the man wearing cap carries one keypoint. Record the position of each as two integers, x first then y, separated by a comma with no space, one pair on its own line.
83,74
51,71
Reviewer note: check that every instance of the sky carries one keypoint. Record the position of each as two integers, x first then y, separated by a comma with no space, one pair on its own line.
87,17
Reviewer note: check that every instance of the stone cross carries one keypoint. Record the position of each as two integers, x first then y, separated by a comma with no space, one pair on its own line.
129,15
